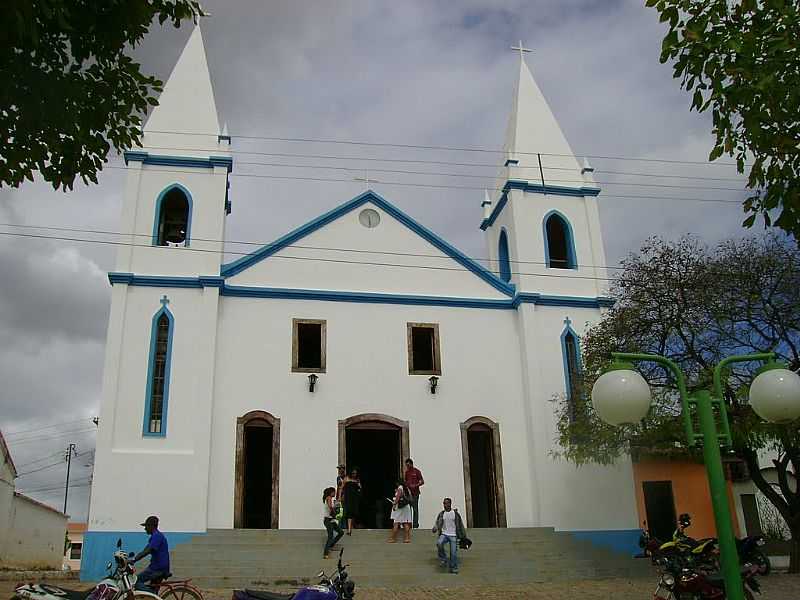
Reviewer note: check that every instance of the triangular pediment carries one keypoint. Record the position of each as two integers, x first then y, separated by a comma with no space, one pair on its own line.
338,251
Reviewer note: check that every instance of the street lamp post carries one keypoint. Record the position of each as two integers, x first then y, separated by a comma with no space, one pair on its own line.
621,395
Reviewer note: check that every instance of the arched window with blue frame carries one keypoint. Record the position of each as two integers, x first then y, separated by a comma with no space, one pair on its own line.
172,222
158,372
502,256
559,243
571,353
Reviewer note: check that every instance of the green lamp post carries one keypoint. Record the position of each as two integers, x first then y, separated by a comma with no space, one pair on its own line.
621,396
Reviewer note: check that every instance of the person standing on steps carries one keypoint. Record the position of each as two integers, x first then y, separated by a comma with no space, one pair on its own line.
450,529
401,513
341,475
335,532
414,481
351,497
158,550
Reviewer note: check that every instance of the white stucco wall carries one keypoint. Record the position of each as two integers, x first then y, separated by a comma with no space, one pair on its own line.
34,535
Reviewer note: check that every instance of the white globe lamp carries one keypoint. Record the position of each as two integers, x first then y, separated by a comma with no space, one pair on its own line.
775,394
621,395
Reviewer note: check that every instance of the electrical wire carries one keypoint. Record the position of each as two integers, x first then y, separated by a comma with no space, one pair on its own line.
37,439
43,427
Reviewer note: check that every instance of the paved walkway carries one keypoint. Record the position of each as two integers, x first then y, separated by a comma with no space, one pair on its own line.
774,587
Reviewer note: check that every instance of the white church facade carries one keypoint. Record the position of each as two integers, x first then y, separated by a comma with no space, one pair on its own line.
232,390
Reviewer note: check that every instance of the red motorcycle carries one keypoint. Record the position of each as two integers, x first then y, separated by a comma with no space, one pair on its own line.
679,582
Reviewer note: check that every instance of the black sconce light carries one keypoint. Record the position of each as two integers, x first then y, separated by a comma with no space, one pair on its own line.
312,381
434,381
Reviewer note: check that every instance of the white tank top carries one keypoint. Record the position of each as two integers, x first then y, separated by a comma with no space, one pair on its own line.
326,510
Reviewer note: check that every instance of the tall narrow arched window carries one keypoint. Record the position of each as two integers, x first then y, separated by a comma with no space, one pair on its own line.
173,218
158,371
559,247
570,350
502,256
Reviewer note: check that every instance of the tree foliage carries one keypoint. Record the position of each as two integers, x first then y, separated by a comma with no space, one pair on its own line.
70,91
741,60
696,306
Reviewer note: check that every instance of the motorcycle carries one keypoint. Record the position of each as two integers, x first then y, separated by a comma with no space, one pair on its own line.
337,586
118,585
749,549
678,581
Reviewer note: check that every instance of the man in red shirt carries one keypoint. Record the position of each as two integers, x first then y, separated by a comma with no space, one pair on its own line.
414,481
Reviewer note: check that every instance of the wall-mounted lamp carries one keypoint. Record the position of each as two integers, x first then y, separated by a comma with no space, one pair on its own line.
434,381
312,381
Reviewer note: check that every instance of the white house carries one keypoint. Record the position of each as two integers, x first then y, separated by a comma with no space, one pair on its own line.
208,417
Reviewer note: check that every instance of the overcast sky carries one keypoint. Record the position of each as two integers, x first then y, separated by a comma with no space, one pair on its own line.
420,72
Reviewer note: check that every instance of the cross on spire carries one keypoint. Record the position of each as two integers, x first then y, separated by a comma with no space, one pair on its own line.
567,321
164,301
366,179
521,48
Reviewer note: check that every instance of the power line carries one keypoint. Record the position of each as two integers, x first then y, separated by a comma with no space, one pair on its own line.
59,488
301,258
44,435
438,186
69,433
476,149
296,246
19,431
494,166
55,464
38,460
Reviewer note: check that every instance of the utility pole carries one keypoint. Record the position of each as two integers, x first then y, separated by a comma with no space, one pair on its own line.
71,451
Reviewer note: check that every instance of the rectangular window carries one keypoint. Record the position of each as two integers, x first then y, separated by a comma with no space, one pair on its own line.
75,551
308,346
424,356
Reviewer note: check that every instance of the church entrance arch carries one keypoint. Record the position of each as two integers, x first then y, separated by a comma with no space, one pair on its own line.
257,469
376,445
483,473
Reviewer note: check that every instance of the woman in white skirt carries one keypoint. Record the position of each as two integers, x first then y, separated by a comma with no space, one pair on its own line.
401,513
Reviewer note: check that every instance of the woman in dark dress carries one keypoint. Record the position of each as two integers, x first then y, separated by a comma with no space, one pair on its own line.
352,499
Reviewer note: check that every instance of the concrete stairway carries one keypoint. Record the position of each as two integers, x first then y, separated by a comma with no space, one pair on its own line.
291,558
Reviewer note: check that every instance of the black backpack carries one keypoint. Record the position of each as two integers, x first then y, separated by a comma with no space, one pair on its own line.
404,500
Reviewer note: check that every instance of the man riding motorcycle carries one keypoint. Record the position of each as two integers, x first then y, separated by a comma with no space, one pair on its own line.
158,549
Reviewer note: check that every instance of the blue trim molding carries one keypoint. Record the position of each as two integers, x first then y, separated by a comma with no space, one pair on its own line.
205,281
536,188
157,215
569,237
625,541
151,362
99,547
243,263
164,160
502,256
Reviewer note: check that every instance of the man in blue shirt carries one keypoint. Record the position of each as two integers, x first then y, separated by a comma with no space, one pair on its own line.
158,549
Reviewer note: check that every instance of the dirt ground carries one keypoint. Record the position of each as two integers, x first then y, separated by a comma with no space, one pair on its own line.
775,587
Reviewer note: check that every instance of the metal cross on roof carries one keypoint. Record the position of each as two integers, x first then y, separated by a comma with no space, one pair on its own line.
567,321
366,179
164,300
521,49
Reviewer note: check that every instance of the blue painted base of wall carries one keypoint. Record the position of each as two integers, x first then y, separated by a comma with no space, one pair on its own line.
625,541
99,547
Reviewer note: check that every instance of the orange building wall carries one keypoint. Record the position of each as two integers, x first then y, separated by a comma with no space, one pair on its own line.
690,490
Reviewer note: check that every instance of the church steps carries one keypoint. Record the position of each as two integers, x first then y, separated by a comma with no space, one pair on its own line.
287,558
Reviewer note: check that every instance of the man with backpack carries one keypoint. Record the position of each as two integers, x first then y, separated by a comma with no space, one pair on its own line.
450,529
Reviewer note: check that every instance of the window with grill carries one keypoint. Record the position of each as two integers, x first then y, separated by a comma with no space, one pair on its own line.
573,371
424,355
158,374
308,346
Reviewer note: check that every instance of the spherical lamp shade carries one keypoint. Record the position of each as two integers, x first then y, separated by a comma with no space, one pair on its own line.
775,395
621,396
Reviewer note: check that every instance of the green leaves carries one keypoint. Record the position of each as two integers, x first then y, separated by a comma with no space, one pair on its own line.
741,60
71,91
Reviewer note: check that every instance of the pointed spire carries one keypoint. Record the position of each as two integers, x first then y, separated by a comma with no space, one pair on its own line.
533,134
186,106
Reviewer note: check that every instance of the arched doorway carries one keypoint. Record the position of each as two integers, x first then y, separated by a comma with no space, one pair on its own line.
376,445
483,473
257,471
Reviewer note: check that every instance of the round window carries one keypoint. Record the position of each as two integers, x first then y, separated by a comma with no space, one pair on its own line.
369,218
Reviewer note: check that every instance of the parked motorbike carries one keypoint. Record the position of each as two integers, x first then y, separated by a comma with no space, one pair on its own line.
118,585
337,586
749,549
679,582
